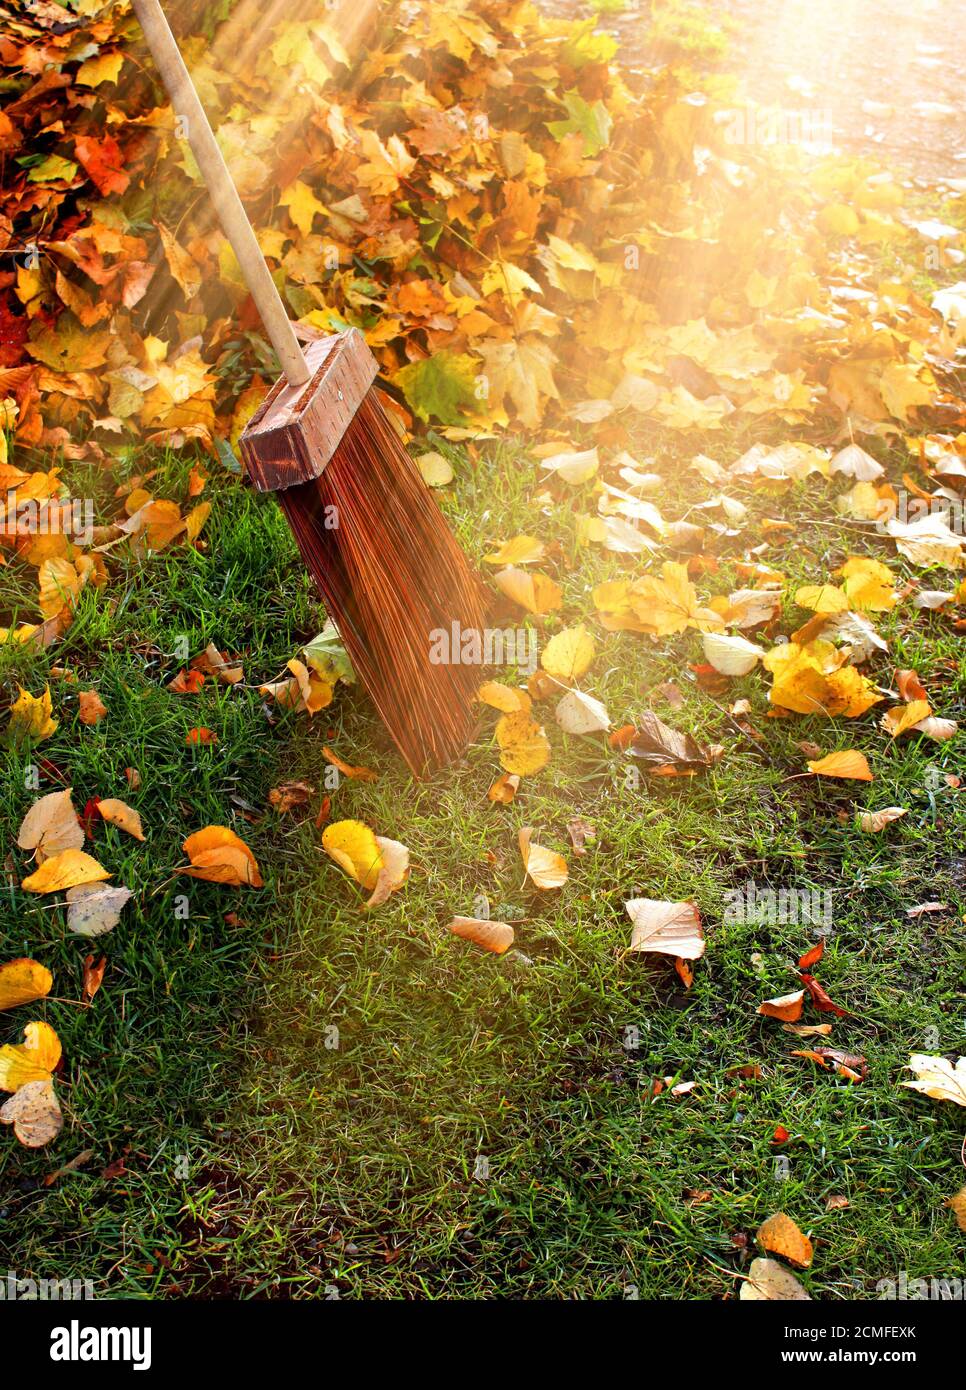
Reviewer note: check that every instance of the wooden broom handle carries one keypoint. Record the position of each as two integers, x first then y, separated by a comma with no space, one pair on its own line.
231,214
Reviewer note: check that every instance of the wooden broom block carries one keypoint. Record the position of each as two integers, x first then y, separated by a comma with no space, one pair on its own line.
297,429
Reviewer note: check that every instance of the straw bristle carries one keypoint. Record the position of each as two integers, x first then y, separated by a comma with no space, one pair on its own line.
391,574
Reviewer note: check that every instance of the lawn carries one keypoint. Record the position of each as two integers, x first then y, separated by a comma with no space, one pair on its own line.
311,1100
277,1093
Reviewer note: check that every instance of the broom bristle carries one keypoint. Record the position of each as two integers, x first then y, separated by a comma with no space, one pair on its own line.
391,574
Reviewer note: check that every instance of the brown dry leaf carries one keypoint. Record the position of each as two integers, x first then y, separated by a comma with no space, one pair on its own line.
505,788
492,936
123,816
768,1281
849,764
200,735
808,1030
781,1236
22,981
288,795
835,1202
133,778
34,1113
669,928
51,825
218,855
91,707
214,663
544,867
871,822
665,751
787,1007
581,832
64,870
93,976
359,774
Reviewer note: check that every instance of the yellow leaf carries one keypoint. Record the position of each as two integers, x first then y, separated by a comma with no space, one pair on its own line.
302,204
437,471
524,748
194,522
22,981
505,788
506,698
812,679
537,593
544,867
379,865
849,764
521,550
218,855
105,67
670,604
30,718
32,1060
822,598
64,870
123,816
568,655
904,717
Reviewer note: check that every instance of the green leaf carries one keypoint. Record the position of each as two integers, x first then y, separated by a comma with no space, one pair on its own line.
441,386
592,122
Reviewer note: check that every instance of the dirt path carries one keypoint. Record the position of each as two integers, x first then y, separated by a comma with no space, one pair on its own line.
884,77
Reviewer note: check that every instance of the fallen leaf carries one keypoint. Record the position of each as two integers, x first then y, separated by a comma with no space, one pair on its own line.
95,908
30,718
289,795
663,749
34,1112
578,713
732,656
64,870
379,865
781,1236
937,1077
545,868
819,997
218,855
848,764
91,708
492,936
51,825
535,592
524,747
32,1060
93,976
581,832
871,822
22,981
359,774
123,816
505,788
787,1007
569,654
669,928
768,1281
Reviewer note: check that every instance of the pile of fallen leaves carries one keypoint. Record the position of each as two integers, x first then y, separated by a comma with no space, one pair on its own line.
525,231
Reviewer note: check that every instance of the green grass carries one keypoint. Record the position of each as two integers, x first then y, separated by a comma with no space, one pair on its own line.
480,1129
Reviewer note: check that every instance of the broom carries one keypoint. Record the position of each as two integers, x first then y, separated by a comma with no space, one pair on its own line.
391,575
